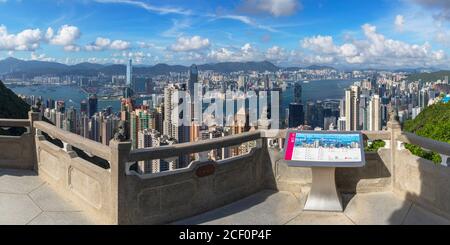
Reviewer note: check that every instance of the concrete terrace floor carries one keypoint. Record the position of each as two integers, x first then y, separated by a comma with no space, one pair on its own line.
26,200
284,208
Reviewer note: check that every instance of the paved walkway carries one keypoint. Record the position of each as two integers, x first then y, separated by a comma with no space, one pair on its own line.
284,208
26,200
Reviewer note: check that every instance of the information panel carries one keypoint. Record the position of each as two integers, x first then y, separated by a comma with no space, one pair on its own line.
324,149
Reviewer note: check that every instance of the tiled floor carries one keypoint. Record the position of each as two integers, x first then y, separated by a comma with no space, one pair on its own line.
283,208
25,199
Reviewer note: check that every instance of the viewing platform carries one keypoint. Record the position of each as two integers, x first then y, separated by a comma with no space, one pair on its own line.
50,176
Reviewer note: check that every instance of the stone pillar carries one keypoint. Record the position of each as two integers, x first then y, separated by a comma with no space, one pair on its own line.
33,117
395,128
119,158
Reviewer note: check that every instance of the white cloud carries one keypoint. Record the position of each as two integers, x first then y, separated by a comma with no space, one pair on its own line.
184,44
276,54
72,48
221,54
245,53
66,35
26,40
120,45
375,50
102,43
320,43
399,22
41,57
99,44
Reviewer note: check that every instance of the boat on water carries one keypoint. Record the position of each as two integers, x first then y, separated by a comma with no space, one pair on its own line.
305,81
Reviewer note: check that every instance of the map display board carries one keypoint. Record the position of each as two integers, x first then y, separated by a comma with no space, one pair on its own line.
324,149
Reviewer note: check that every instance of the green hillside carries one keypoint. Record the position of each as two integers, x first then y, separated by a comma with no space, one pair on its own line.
429,77
11,106
434,123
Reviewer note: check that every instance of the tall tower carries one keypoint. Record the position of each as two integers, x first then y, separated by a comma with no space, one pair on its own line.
298,92
129,73
296,114
352,108
375,113
92,105
193,79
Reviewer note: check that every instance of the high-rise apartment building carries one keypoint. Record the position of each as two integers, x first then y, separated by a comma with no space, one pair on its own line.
92,105
193,79
296,114
170,128
374,113
149,138
352,99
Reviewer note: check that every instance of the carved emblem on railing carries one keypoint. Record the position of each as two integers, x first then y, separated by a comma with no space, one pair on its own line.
205,170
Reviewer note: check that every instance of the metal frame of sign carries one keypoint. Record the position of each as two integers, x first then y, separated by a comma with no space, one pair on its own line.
294,163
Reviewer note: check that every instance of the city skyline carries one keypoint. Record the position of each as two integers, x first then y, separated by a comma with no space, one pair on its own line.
375,34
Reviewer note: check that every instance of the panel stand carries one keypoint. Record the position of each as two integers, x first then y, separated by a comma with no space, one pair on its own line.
323,195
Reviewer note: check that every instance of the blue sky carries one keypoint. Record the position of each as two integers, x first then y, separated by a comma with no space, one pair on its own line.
343,33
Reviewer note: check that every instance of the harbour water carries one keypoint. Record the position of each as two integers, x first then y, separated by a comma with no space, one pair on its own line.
72,95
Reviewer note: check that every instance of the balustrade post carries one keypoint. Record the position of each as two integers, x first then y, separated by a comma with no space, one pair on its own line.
120,152
33,117
395,128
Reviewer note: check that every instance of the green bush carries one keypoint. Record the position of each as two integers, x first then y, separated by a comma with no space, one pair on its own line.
416,150
375,145
433,123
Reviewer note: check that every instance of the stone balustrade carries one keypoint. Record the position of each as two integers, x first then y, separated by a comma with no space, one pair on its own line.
18,151
114,193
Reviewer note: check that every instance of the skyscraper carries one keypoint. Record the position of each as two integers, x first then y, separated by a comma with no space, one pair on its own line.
71,120
92,105
84,107
296,114
169,128
148,138
352,108
298,92
193,79
129,74
374,113
95,131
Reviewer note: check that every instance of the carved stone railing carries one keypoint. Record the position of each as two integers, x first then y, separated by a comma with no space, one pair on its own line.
203,185
17,152
420,180
113,193
442,148
76,177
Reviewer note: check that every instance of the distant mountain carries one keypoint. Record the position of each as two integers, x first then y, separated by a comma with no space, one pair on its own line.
429,77
318,67
312,67
19,68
